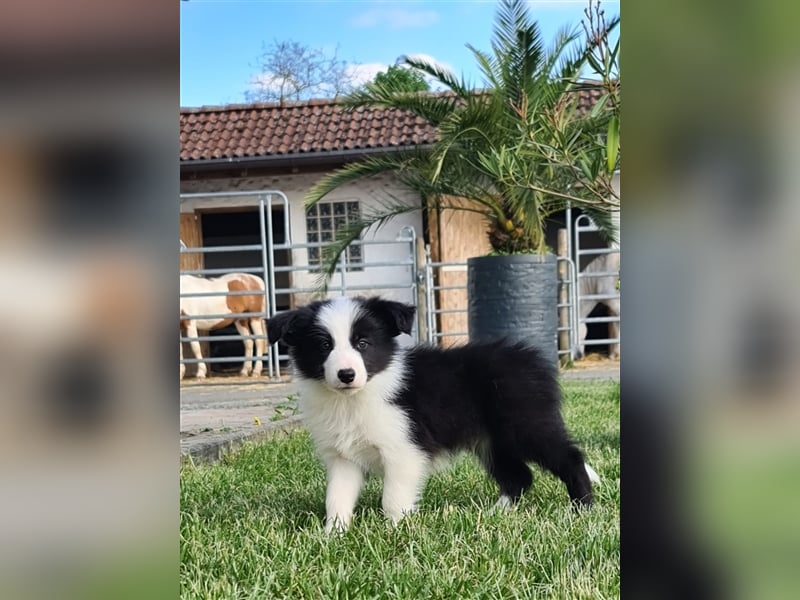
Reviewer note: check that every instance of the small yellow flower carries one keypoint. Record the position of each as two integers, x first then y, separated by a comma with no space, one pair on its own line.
257,420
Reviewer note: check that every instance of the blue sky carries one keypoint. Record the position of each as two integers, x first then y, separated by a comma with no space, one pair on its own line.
221,39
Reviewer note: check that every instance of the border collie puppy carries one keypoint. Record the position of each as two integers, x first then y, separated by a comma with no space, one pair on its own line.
373,407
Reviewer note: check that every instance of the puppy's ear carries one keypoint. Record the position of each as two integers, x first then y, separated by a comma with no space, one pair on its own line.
399,316
280,327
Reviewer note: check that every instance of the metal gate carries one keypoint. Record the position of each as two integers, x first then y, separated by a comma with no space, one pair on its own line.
597,284
431,274
402,270
571,303
360,279
264,201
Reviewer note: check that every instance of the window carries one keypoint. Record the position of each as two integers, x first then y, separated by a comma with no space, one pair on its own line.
324,220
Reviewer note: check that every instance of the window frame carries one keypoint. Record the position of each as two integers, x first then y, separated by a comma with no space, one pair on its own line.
323,221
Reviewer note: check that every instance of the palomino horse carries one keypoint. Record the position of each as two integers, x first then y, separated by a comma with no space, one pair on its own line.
605,285
221,305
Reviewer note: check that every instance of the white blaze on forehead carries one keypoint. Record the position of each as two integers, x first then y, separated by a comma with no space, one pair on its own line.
337,318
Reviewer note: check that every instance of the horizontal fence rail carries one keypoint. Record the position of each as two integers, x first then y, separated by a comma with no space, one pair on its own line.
586,300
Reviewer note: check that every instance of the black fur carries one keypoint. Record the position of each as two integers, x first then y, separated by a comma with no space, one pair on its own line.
500,397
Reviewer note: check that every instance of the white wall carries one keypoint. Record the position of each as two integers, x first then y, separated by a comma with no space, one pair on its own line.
370,193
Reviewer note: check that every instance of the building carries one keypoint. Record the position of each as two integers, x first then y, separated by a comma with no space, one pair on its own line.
288,147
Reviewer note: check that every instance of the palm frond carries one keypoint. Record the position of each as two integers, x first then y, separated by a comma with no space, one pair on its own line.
512,17
565,59
432,108
604,221
372,220
517,42
375,218
399,163
488,65
517,150
438,72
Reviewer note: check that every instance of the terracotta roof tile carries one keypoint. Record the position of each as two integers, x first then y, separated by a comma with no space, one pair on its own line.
265,130
275,130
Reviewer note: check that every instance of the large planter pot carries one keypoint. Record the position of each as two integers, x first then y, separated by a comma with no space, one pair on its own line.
514,297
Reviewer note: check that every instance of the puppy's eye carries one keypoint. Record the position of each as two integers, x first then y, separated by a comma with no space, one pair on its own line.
362,344
325,345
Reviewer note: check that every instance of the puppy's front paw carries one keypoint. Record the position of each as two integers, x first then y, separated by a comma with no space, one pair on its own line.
335,525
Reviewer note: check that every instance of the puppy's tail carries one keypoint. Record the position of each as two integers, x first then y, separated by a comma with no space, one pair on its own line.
593,476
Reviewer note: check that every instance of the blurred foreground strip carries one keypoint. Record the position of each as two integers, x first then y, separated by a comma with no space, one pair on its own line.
88,226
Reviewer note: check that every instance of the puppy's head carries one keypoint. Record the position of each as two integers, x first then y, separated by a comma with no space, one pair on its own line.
342,342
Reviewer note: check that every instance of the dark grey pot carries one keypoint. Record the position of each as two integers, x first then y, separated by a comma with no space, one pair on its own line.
514,297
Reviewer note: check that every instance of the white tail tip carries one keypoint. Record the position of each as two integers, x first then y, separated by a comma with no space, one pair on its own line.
504,503
593,476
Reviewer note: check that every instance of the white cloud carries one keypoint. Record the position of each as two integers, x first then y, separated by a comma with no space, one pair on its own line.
421,57
266,81
364,72
395,18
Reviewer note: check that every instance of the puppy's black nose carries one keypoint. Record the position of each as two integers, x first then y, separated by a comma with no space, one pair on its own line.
346,375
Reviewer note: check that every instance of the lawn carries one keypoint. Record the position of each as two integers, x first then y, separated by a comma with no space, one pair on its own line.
251,527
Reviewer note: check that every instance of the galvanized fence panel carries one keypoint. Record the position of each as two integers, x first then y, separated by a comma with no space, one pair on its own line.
342,281
264,201
433,289
432,271
345,281
570,281
585,300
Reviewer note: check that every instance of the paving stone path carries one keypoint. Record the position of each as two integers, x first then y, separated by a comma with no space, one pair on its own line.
219,414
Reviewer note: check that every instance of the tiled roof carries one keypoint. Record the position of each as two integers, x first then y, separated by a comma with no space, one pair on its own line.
589,96
298,128
262,130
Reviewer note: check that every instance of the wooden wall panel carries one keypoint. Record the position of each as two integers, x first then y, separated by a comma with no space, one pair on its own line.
456,236
462,234
192,235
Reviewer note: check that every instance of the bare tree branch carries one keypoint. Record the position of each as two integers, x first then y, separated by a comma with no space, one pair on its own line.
291,71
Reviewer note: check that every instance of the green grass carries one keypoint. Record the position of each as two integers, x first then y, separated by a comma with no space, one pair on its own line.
251,527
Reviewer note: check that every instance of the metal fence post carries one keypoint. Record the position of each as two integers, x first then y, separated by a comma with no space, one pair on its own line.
266,272
564,320
431,305
421,278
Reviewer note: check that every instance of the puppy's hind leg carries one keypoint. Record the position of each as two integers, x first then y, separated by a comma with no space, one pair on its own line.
511,473
565,460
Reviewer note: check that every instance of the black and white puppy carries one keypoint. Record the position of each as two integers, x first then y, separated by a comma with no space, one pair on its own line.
401,412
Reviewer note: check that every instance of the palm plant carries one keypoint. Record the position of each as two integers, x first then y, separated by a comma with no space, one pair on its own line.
517,149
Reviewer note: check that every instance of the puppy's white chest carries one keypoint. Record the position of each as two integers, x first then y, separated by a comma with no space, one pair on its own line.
355,447
363,430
